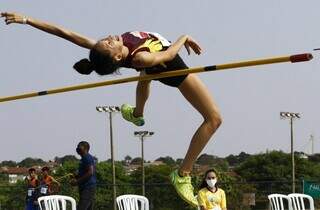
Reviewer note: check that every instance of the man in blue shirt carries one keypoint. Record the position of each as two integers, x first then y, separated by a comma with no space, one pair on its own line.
86,178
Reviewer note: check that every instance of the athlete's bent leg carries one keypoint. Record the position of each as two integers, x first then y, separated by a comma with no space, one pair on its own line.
135,114
198,95
142,95
200,98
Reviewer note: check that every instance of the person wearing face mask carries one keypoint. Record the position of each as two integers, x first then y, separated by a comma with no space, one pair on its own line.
86,177
210,197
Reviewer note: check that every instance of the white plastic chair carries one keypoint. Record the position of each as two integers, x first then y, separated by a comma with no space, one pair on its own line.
276,202
132,202
56,202
298,201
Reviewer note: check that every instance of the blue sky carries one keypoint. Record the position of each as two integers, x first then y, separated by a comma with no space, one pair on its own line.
250,99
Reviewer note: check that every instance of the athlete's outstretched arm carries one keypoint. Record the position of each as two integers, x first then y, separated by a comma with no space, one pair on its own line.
147,59
71,36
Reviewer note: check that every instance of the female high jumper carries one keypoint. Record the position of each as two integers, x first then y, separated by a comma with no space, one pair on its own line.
147,53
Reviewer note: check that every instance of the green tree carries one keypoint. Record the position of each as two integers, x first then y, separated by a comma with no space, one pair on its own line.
136,161
167,160
235,160
29,162
105,189
271,172
212,161
315,158
8,163
13,196
66,158
68,167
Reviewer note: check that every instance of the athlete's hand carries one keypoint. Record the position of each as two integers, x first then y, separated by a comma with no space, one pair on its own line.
12,18
191,43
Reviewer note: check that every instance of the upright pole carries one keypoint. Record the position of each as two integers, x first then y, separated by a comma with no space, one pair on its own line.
291,116
142,135
312,144
111,110
292,157
142,167
112,163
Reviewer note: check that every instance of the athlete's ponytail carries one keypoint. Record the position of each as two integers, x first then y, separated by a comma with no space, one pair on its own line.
84,66
100,63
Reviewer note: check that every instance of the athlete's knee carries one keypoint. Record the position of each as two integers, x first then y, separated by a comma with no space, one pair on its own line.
214,120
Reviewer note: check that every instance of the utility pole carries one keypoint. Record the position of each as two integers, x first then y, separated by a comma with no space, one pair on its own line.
312,144
110,110
142,135
291,116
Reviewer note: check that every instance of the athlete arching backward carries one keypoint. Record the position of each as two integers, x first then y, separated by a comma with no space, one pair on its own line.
147,53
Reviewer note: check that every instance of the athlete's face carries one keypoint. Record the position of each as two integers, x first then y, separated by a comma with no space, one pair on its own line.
45,173
111,46
32,174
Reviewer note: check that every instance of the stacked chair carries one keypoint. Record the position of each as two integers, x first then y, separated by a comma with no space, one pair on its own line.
294,201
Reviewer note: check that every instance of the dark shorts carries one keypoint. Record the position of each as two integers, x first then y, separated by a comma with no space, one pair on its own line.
87,198
176,64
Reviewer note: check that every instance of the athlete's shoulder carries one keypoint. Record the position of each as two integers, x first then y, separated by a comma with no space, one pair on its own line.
137,34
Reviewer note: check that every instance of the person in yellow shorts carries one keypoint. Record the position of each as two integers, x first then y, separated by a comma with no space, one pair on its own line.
210,197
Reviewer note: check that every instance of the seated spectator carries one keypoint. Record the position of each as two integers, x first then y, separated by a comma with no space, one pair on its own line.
210,196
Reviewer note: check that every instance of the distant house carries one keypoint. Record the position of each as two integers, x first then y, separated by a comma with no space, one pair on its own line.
302,155
157,163
135,165
15,174
53,165
131,168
